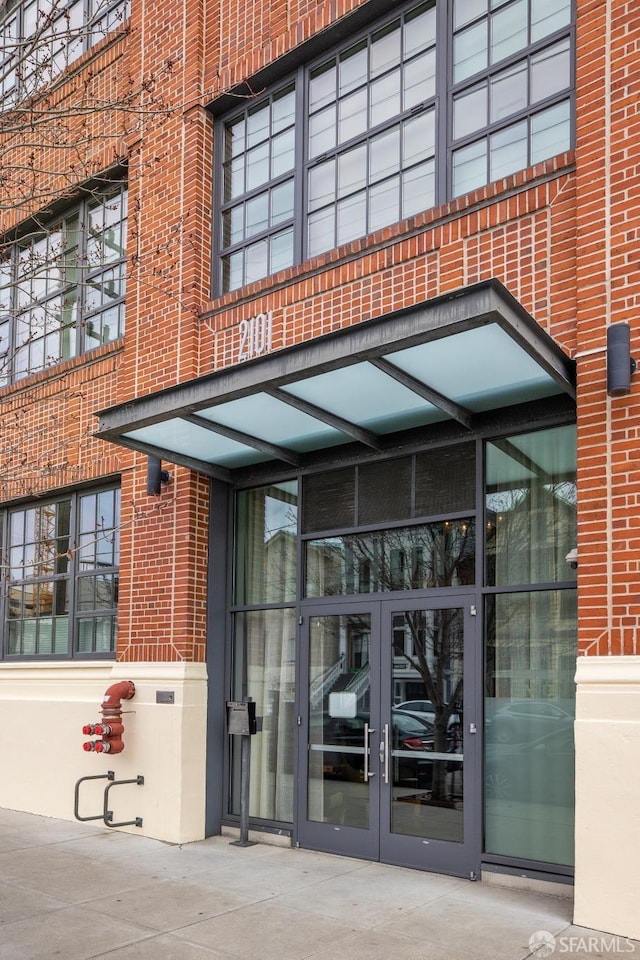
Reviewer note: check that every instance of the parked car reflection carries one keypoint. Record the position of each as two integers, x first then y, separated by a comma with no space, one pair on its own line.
521,721
343,741
426,710
411,738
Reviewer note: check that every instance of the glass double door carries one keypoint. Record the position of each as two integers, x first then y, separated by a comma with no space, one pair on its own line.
389,749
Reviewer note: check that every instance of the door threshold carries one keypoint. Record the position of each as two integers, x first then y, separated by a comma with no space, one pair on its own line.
259,836
511,881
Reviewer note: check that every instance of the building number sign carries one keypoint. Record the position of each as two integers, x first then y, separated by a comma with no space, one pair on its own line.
255,336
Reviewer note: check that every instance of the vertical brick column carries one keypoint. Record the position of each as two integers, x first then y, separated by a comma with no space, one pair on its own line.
608,693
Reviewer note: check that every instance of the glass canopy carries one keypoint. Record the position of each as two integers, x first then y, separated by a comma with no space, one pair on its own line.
453,358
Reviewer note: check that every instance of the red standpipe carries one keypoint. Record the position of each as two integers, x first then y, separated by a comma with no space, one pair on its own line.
111,728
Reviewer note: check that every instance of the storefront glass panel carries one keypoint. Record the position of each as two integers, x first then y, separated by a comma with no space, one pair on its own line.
264,644
407,558
264,669
529,715
530,646
531,507
529,603
265,556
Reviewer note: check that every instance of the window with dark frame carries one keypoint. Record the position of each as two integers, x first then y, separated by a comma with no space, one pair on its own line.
511,86
374,147
40,38
370,146
62,288
258,208
60,576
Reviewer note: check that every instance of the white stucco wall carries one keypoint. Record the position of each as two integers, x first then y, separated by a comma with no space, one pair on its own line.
607,880
43,707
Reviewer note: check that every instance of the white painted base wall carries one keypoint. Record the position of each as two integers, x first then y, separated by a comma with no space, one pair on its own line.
43,707
607,879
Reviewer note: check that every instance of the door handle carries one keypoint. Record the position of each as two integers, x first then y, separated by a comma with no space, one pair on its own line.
367,773
383,753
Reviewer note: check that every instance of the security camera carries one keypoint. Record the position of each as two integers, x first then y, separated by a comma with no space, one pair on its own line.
572,558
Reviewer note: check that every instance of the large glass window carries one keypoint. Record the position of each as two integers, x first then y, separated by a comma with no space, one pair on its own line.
266,532
371,135
61,579
406,558
264,643
409,524
264,667
40,38
353,143
531,507
62,289
530,646
258,208
512,80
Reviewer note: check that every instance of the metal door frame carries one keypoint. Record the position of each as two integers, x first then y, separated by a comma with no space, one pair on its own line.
334,838
376,842
441,856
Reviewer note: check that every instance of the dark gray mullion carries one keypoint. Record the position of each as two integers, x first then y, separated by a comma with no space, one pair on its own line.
367,186
299,169
401,167
215,276
83,232
74,522
443,107
300,685
21,581
342,148
336,183
13,314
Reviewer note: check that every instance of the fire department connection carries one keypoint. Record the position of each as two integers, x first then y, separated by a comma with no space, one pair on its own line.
110,729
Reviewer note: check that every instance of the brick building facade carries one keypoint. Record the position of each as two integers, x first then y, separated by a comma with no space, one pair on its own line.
308,199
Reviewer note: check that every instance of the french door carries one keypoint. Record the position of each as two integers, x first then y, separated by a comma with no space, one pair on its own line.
389,751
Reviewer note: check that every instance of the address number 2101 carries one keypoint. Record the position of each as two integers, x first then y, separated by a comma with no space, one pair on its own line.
255,336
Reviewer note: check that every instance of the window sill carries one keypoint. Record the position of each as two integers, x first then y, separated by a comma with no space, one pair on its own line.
57,667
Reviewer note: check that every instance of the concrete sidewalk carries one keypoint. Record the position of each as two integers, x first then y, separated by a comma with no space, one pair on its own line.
74,891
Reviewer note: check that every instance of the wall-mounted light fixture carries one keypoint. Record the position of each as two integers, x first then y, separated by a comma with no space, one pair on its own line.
620,364
156,476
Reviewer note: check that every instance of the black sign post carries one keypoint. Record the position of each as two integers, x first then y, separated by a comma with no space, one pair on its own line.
241,721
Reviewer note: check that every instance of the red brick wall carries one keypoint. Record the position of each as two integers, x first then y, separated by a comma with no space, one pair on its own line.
46,427
162,604
525,239
562,237
47,421
608,286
